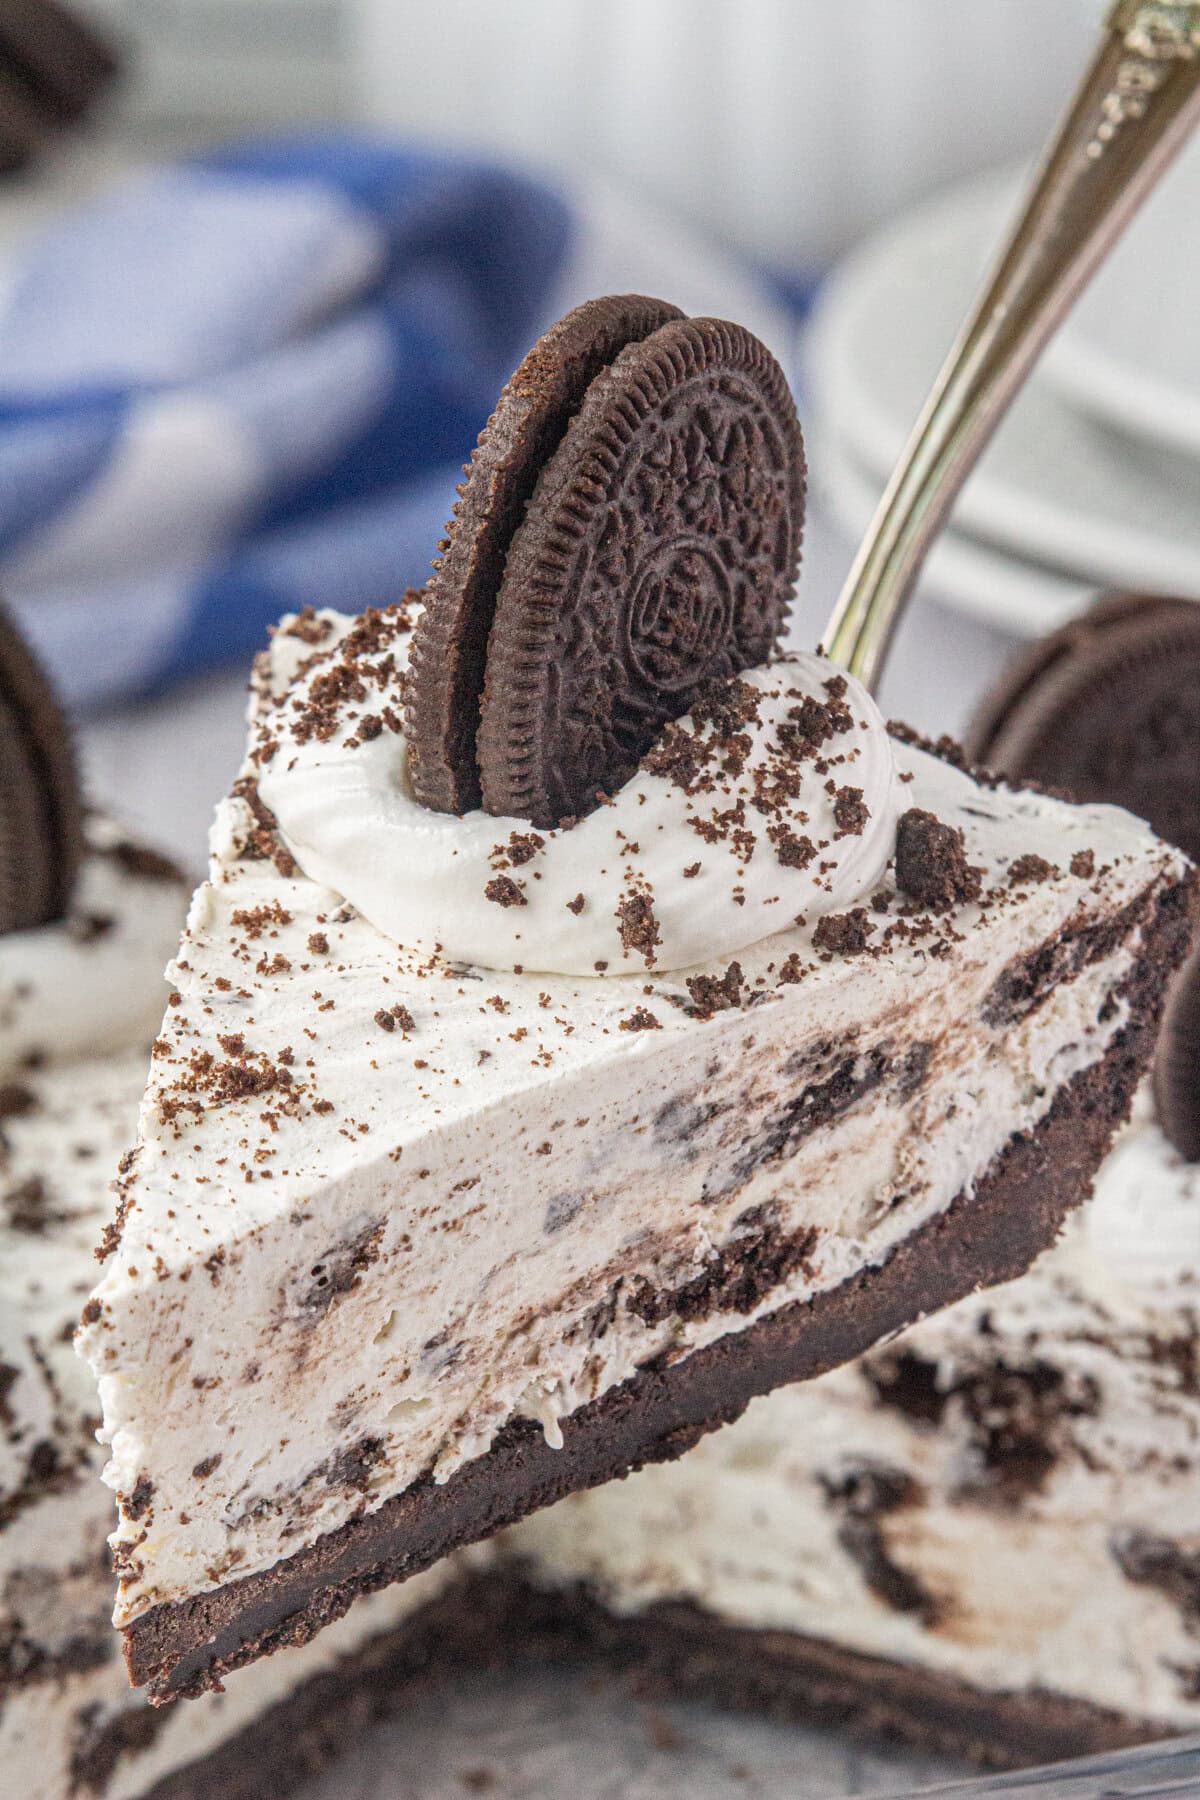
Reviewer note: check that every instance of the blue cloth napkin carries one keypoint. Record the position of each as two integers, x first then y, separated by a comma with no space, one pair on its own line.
248,383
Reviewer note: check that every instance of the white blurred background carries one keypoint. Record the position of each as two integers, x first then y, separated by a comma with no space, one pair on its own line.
865,151
787,127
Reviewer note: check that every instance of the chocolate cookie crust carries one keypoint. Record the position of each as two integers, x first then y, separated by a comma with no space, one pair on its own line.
984,1237
672,1651
659,552
678,1651
450,640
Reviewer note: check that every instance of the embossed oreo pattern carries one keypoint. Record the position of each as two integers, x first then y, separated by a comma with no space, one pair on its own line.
450,641
659,552
1108,708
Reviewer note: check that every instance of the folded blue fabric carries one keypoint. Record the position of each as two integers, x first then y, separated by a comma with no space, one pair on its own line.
248,383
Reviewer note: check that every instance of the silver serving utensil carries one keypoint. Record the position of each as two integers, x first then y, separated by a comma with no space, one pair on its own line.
1135,107
1137,103
1169,1771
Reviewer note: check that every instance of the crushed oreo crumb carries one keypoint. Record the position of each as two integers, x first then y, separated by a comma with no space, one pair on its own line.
931,862
850,811
638,926
844,934
641,1019
504,891
1030,870
716,993
395,1017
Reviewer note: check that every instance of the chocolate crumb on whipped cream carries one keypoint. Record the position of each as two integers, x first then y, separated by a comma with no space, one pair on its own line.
688,1120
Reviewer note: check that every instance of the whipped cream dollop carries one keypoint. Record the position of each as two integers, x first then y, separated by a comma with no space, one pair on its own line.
93,982
775,799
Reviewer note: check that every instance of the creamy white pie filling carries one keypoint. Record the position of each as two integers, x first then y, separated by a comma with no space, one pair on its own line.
1027,1559
85,996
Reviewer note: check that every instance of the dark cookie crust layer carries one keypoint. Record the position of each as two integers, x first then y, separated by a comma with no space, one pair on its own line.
678,1651
296,1739
449,647
988,1236
674,1651
659,552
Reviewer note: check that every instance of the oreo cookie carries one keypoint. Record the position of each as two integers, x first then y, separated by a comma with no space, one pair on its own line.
658,553
53,64
625,536
1108,709
1177,1064
41,810
450,640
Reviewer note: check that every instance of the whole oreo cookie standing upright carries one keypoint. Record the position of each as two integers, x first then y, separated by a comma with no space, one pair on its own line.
449,646
1177,1064
41,810
659,552
1109,709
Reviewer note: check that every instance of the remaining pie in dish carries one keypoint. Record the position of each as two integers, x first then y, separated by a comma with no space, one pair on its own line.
486,1156
982,1538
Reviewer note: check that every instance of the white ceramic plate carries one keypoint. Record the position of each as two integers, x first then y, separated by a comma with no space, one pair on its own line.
1130,352
1055,488
1020,597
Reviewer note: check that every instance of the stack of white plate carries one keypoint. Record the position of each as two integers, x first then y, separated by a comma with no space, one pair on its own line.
1093,481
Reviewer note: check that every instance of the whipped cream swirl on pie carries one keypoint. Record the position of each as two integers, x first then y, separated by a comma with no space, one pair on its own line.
92,982
774,800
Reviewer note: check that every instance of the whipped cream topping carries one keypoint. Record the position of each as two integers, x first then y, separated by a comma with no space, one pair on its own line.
774,801
93,982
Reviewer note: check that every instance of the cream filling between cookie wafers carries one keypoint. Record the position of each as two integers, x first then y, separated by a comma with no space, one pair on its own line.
1010,1497
384,1202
